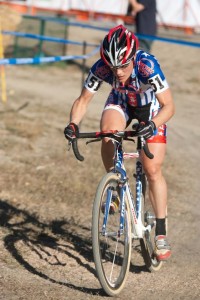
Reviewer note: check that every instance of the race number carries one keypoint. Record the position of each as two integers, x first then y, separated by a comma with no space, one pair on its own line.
92,82
157,83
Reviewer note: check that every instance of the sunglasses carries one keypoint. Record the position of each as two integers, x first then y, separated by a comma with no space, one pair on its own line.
120,67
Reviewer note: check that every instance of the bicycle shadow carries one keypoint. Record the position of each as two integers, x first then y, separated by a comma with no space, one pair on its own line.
42,238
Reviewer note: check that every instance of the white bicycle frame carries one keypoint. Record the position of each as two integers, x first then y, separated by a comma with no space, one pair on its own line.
138,228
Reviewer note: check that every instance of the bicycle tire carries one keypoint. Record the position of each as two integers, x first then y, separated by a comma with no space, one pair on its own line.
147,244
112,262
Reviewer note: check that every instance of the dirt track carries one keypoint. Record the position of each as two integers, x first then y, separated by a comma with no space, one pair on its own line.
46,195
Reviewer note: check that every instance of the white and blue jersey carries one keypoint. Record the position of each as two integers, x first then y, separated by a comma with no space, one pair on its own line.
147,80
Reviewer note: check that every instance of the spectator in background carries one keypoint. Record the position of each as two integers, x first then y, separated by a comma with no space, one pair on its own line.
145,20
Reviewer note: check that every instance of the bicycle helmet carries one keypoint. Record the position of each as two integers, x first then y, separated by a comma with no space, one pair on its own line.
118,47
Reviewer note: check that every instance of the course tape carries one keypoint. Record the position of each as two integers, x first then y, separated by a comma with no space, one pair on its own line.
65,22
59,40
167,40
45,38
39,60
148,37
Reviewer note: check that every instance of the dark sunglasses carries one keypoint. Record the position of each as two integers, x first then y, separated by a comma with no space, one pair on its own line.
120,67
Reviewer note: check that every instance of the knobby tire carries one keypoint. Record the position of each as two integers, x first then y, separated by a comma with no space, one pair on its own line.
112,253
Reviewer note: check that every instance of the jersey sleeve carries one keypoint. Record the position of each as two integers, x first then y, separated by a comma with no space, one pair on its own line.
157,79
150,73
98,73
92,83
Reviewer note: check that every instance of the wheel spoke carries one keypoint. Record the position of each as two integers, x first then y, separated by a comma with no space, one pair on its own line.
111,250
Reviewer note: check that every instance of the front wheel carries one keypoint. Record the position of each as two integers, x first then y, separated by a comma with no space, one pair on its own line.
111,245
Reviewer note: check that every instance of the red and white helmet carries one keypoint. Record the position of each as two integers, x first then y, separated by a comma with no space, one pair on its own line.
118,47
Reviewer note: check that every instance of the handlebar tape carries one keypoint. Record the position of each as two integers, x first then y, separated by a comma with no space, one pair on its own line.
147,152
76,151
95,135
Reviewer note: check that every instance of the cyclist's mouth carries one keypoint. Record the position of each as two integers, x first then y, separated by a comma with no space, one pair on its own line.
120,78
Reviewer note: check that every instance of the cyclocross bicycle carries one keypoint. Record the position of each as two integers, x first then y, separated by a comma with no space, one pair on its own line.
113,234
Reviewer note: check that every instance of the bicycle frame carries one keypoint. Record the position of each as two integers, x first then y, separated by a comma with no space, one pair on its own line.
112,233
135,206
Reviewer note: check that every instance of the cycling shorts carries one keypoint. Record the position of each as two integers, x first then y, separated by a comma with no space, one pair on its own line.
142,114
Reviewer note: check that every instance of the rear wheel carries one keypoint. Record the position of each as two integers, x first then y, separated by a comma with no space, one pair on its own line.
111,248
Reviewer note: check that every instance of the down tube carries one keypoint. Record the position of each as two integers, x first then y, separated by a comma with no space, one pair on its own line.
139,172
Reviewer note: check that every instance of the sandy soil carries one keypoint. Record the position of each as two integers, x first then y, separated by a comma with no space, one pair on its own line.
46,195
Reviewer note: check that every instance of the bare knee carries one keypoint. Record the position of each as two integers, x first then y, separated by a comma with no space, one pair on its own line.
153,173
107,144
107,153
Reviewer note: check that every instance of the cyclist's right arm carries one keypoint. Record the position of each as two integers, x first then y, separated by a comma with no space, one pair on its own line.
98,73
91,86
80,105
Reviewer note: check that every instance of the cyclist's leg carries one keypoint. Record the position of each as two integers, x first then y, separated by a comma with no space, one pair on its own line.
111,120
114,117
158,196
157,183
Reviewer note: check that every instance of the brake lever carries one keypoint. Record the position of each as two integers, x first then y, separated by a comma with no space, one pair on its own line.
93,141
69,145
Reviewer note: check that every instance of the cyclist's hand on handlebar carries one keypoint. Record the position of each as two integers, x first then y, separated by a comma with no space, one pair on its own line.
71,131
145,129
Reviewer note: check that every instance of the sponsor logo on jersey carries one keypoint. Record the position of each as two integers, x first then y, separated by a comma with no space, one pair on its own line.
145,67
132,99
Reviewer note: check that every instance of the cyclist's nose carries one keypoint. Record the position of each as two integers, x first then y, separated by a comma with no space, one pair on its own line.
119,71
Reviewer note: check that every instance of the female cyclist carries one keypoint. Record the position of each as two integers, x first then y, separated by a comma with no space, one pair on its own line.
139,91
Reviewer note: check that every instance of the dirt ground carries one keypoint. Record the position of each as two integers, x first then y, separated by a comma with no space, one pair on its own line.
46,194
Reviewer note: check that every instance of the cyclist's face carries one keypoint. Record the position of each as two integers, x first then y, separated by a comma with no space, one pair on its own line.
124,72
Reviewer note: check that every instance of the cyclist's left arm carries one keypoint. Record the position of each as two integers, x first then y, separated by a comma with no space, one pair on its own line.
167,107
163,94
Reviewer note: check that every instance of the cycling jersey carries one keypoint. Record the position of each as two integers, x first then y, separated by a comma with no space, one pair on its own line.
146,80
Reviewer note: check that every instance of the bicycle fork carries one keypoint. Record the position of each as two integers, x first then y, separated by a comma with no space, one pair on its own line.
124,191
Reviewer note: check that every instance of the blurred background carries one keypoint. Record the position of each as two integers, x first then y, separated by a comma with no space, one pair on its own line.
53,18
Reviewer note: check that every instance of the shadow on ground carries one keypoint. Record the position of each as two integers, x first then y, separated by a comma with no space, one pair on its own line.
59,235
